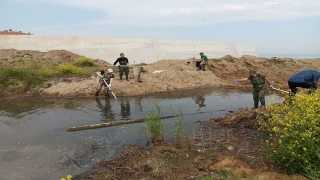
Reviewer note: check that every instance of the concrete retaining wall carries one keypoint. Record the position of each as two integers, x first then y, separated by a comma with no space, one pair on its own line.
135,49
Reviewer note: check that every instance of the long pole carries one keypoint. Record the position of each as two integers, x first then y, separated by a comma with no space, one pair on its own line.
109,88
280,90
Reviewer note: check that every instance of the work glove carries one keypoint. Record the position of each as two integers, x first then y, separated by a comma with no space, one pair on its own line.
102,77
109,85
271,87
236,80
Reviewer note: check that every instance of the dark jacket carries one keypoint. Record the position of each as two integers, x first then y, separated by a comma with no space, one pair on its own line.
122,61
310,76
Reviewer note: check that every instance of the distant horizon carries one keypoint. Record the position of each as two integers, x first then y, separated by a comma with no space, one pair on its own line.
293,56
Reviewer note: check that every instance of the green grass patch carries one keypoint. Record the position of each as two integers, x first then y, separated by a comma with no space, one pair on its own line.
19,76
84,62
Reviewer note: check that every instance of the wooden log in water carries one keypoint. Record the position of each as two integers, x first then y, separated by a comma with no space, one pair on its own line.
114,123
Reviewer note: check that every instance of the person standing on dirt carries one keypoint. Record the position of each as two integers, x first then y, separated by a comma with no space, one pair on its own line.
103,79
204,62
124,66
304,79
259,87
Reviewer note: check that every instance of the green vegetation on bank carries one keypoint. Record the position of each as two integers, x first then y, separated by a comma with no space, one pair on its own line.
294,141
157,128
154,125
19,75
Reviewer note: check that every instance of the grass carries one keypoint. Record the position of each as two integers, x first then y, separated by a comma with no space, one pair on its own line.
222,175
35,73
178,133
154,125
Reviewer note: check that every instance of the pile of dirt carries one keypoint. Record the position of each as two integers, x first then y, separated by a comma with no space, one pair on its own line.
9,56
278,70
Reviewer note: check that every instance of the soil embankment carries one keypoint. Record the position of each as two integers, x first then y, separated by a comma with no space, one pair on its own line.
174,75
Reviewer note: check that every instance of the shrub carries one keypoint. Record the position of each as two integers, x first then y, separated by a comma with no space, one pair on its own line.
294,142
154,125
68,69
84,62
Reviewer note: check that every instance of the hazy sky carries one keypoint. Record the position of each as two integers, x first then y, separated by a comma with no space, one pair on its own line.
271,26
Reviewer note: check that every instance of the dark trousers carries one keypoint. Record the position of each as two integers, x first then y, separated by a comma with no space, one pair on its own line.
123,70
259,92
293,86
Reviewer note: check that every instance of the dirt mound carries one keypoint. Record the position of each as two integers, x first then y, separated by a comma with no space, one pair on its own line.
9,56
278,70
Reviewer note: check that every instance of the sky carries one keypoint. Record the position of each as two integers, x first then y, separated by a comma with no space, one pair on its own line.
271,26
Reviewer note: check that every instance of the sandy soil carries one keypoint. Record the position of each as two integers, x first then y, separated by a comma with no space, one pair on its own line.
224,144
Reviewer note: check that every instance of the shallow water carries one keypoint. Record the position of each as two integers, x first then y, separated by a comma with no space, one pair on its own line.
35,145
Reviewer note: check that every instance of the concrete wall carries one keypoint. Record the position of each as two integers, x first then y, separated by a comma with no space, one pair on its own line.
135,49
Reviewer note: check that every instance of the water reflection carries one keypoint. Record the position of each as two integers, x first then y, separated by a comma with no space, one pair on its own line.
200,101
107,113
137,104
125,108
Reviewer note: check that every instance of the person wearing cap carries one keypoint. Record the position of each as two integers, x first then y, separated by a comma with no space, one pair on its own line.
304,79
103,79
204,62
259,87
123,67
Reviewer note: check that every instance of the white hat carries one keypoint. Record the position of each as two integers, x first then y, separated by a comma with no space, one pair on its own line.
110,70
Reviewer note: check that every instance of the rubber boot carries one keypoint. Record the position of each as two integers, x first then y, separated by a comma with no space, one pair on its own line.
127,78
120,78
97,93
107,94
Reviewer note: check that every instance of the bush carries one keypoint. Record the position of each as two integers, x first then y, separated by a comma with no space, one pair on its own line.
155,126
84,62
294,142
68,69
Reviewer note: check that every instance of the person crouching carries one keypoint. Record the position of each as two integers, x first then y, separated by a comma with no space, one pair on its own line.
105,80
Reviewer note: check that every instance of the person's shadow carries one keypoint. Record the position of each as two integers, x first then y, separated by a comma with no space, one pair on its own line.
107,114
125,108
200,101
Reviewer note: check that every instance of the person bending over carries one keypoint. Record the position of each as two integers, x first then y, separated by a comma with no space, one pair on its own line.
104,78
304,79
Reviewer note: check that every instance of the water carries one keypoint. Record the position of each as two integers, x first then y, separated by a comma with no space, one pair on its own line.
293,56
35,145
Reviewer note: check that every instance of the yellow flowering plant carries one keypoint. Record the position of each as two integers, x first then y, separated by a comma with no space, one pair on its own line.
294,128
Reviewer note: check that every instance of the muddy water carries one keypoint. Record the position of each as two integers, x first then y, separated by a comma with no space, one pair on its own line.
35,145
